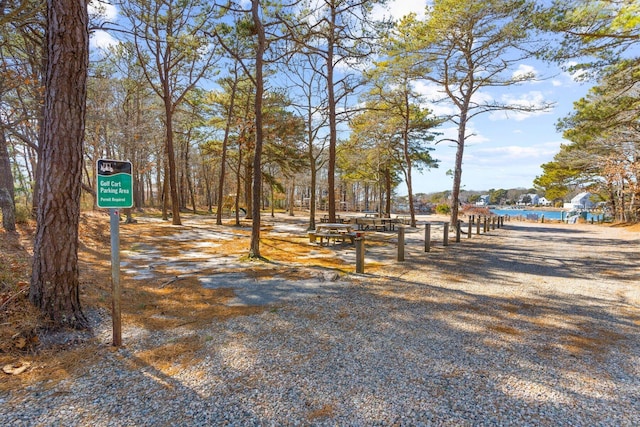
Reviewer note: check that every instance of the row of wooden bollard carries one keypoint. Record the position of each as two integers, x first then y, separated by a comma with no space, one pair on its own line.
488,222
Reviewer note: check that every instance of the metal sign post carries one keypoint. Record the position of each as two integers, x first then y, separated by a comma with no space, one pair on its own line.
114,214
115,191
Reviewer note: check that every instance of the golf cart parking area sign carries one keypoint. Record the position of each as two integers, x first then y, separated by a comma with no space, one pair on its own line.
114,184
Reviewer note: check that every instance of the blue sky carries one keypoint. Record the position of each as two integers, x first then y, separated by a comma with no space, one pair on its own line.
505,151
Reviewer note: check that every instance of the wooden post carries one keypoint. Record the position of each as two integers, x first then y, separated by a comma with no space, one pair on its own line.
469,228
478,226
486,224
458,229
359,240
493,222
427,237
445,236
400,243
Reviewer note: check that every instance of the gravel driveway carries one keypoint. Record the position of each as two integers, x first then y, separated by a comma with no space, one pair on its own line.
532,324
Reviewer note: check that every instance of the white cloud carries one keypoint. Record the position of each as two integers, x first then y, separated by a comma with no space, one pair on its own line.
533,99
515,155
101,39
450,134
436,99
101,12
396,9
574,75
525,72
104,10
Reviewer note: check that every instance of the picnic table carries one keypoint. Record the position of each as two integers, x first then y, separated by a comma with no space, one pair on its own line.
376,224
325,219
335,231
404,219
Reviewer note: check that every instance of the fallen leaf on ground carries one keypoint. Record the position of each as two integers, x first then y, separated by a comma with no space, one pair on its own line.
16,368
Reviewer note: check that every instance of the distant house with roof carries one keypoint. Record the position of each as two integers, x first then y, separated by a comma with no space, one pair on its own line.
542,201
528,199
484,200
580,201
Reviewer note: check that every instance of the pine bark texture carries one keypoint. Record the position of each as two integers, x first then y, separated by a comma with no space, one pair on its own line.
55,277
7,201
254,250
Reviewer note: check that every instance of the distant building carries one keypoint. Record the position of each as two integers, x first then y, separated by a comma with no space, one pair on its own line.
542,201
528,199
580,201
484,200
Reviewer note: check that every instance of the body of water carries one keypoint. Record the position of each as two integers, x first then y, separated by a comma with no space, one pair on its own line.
552,215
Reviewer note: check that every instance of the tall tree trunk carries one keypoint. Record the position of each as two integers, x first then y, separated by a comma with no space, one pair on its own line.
457,173
407,160
254,250
55,278
313,195
238,184
333,128
225,142
165,192
387,190
292,194
172,169
248,185
7,196
207,186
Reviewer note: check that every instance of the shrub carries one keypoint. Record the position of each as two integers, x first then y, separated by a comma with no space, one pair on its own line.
443,209
23,214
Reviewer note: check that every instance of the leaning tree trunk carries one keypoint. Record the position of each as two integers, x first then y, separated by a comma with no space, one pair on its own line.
7,201
55,278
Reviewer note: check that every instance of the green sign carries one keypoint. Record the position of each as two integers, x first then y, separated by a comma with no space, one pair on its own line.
115,184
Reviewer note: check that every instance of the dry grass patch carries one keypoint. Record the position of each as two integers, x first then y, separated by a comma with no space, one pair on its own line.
504,329
326,411
595,341
452,277
51,366
172,357
183,303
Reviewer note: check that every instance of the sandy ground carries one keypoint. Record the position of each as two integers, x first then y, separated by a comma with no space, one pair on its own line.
519,260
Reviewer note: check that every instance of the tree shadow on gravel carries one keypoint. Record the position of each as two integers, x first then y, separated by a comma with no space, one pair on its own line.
471,358
534,251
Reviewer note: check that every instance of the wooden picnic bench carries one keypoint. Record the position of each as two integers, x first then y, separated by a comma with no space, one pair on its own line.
376,224
325,219
404,219
332,231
